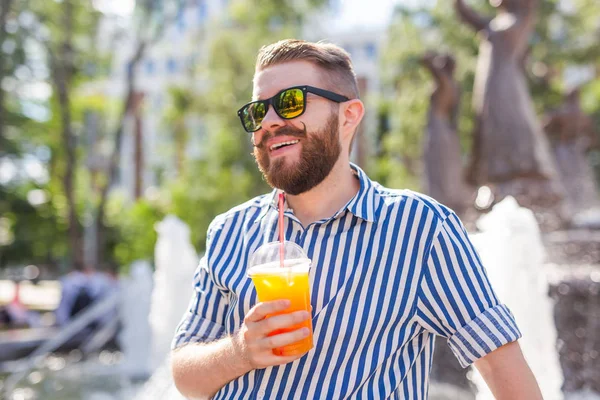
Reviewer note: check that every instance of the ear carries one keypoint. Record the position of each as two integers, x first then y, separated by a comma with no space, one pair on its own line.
351,113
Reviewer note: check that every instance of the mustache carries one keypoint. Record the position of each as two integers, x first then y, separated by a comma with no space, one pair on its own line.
283,131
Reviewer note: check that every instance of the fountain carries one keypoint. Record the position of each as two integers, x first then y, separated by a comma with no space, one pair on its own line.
22,367
135,337
511,249
176,261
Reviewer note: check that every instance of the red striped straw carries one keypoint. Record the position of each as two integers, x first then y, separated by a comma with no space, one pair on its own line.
281,236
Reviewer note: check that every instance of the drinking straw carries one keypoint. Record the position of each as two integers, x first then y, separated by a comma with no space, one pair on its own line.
281,236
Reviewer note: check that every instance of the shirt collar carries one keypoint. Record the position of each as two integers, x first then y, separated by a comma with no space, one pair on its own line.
361,205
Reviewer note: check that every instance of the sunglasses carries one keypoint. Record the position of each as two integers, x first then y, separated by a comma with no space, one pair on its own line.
289,103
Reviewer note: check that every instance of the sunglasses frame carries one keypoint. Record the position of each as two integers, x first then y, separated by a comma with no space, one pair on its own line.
338,98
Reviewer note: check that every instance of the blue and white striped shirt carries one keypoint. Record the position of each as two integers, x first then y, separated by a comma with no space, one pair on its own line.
390,270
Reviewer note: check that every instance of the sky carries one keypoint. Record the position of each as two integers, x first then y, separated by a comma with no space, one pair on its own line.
366,12
351,12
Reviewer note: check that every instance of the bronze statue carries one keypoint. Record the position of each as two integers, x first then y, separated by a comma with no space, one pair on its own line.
509,147
442,154
572,135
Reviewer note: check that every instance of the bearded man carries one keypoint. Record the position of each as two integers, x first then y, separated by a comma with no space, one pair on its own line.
391,269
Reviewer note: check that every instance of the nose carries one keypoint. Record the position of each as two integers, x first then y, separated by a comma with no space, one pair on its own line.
272,121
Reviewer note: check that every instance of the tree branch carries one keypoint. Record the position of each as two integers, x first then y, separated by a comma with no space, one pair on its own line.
428,61
470,16
62,67
143,42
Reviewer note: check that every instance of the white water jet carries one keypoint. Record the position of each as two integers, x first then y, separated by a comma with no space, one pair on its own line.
512,252
135,310
176,260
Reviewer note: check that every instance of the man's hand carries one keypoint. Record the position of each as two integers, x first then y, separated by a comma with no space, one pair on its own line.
252,342
200,370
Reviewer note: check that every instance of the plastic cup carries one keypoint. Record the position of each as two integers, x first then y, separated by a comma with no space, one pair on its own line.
274,282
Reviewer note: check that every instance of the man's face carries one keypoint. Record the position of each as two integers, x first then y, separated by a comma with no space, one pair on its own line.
314,136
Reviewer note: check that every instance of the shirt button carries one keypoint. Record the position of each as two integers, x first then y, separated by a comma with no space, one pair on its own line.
261,394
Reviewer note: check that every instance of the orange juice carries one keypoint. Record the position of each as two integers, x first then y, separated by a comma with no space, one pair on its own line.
273,282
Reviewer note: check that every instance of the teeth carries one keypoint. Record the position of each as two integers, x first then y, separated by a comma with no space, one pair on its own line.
278,145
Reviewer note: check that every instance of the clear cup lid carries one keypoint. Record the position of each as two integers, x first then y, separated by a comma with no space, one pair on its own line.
267,256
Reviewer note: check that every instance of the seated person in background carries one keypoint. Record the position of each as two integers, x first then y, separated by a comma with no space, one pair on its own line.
82,287
16,315
75,294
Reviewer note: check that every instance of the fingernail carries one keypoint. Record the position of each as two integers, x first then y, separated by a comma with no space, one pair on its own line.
286,303
305,332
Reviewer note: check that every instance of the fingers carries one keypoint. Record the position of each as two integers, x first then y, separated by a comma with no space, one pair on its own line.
268,325
261,310
283,339
255,344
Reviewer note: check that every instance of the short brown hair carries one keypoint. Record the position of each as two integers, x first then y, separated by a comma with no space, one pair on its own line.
334,60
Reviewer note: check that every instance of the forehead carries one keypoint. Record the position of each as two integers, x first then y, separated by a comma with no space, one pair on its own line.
269,81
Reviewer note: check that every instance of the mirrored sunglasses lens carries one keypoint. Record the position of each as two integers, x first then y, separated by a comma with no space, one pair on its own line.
290,103
253,115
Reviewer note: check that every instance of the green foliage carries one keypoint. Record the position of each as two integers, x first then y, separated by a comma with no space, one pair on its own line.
226,175
411,34
133,229
31,234
215,191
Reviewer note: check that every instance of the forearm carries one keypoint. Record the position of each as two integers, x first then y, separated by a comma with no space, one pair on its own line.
507,374
200,370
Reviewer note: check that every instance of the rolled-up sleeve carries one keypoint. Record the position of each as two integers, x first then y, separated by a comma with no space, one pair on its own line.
455,299
205,316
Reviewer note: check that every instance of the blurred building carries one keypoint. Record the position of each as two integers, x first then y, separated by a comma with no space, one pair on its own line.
147,148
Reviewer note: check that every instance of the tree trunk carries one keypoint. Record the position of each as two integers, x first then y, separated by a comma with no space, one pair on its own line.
115,157
442,154
509,145
128,104
572,135
139,145
4,10
180,143
62,62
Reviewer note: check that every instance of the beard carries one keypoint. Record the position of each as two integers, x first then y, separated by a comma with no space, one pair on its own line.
319,153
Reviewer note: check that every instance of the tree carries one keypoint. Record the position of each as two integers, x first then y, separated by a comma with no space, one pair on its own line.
563,38
226,174
179,109
509,145
572,136
30,229
444,179
64,31
65,37
404,105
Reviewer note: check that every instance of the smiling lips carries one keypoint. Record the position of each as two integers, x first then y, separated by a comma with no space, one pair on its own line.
283,144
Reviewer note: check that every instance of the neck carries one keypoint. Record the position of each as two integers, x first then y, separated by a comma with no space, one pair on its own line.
325,199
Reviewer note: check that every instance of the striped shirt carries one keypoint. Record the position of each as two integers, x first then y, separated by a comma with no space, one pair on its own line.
390,270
